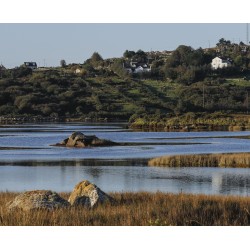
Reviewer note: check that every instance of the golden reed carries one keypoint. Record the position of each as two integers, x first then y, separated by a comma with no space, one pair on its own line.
236,160
138,209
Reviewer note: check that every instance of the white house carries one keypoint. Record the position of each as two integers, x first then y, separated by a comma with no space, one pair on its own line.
129,70
219,62
137,68
78,71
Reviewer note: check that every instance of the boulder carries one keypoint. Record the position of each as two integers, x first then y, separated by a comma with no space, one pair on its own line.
88,195
78,139
38,199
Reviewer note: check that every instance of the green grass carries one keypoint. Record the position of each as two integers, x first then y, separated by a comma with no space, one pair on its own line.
238,82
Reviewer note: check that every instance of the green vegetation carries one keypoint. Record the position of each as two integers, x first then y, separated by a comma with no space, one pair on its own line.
194,121
239,160
180,84
138,209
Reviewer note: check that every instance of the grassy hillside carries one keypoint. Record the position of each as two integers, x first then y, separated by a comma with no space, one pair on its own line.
59,93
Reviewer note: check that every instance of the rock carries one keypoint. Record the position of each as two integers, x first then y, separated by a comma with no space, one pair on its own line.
82,201
38,199
78,135
73,140
78,139
88,195
64,142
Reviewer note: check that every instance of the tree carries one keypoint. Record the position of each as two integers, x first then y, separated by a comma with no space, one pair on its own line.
96,57
197,57
63,63
140,56
222,42
21,71
87,66
181,56
118,69
239,61
128,54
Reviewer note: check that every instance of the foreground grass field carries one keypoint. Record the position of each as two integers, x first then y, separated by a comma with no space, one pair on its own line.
138,209
237,160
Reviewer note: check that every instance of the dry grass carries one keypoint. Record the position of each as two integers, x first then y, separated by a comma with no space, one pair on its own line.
241,160
139,209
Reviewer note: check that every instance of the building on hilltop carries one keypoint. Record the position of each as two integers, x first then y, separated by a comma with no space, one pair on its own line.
78,71
135,67
30,65
220,62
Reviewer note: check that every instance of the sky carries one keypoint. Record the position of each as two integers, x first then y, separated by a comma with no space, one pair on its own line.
48,43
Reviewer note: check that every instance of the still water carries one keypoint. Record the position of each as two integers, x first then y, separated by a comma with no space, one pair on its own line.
27,161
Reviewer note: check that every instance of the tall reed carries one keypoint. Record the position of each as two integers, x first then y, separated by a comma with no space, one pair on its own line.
237,160
138,209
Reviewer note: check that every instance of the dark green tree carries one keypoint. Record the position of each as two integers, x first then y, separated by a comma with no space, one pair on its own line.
140,56
128,54
96,60
118,69
63,63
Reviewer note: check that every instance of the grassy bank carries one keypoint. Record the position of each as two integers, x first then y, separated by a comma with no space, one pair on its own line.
237,160
141,209
194,121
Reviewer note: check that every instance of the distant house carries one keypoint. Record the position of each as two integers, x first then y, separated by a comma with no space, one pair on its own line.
137,68
219,63
128,69
142,68
78,71
30,65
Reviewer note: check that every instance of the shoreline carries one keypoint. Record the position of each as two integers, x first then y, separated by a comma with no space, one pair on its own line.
189,122
20,119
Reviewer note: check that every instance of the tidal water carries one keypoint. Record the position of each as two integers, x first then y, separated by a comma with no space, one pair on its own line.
28,161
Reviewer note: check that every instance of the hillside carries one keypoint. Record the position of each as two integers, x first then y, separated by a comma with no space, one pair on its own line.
57,94
152,86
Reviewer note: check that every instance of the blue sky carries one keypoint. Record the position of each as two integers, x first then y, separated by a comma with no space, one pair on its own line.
49,43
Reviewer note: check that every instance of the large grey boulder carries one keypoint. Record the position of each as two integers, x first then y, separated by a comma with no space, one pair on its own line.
78,139
38,199
88,195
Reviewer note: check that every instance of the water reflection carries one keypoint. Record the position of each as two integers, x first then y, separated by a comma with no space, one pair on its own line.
120,168
77,162
127,178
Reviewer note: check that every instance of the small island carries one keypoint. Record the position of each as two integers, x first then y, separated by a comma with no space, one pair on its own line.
79,140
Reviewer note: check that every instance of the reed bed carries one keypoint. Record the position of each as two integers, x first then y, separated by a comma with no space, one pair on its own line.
138,209
241,160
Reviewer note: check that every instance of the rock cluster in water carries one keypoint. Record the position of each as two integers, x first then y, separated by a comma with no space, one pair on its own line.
85,194
78,139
